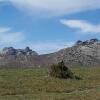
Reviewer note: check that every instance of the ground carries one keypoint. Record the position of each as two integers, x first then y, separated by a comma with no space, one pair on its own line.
34,84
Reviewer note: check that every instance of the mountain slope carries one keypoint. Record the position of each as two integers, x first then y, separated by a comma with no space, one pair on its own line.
83,53
86,53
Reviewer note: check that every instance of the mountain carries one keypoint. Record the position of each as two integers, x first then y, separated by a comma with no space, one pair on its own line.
83,53
14,58
12,51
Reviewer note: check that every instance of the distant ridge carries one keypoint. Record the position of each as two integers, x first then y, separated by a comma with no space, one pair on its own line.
12,51
83,53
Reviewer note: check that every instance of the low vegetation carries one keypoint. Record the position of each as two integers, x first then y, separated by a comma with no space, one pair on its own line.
33,84
60,71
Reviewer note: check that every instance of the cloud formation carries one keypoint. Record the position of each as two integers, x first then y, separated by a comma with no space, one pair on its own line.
55,7
7,37
16,39
82,26
47,47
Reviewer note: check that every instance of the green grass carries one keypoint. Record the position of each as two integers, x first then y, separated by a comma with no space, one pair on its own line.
34,84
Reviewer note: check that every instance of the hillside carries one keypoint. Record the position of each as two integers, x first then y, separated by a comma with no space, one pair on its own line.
83,53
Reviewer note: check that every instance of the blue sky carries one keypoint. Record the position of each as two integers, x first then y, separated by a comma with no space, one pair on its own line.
48,25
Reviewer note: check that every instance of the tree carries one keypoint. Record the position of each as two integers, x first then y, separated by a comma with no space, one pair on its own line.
60,71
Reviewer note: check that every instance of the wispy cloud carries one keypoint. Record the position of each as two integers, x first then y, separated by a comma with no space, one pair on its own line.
82,26
7,37
17,40
4,29
47,47
55,7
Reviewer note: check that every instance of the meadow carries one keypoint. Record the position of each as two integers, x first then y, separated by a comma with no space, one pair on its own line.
35,84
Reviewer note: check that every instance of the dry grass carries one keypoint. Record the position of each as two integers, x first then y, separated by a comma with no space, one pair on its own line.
33,84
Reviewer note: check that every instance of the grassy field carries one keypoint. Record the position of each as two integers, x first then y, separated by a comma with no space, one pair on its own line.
34,84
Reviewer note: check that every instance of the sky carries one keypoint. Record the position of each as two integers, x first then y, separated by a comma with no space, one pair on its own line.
47,26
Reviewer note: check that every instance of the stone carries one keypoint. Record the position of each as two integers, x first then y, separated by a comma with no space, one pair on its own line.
9,51
79,42
27,49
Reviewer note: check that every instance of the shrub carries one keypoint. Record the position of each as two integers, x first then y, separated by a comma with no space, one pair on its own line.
60,71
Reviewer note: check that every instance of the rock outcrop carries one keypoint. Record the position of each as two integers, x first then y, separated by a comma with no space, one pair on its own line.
12,51
83,53
87,42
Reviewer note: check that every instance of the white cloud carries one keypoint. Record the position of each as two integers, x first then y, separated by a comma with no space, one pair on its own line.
46,47
3,30
55,7
17,40
8,38
82,25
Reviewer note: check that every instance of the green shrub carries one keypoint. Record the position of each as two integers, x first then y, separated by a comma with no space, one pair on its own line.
60,71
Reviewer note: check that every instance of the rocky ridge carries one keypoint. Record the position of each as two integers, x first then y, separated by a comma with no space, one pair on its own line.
83,53
12,51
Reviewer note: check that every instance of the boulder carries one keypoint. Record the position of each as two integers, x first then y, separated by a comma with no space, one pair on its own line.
94,40
9,51
79,42
27,49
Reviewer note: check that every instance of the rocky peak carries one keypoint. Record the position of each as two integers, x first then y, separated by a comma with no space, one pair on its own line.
27,49
87,42
12,51
9,51
79,42
94,40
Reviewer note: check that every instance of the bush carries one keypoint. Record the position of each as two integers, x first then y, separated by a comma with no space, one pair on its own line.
60,71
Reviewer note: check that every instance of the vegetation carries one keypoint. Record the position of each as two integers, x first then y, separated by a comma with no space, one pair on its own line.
60,71
33,84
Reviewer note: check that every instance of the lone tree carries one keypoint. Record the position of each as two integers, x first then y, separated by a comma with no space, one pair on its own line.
60,71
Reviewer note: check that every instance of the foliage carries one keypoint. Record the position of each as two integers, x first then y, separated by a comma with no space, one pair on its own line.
60,71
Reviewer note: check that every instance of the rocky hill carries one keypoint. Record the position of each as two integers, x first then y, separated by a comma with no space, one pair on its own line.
11,57
17,52
83,53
